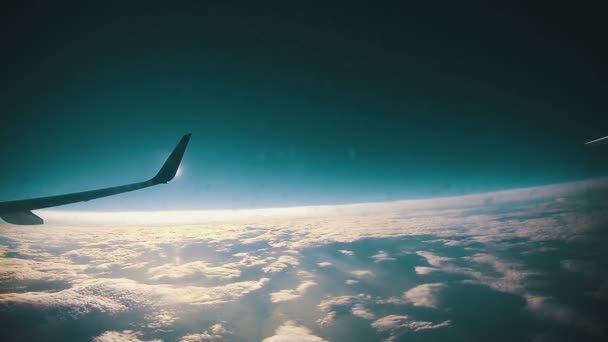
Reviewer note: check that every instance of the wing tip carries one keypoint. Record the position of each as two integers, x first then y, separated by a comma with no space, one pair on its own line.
169,168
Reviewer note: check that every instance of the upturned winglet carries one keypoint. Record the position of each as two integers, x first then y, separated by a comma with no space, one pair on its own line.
169,169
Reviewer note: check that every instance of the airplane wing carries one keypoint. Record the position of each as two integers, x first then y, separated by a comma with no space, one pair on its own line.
600,141
19,212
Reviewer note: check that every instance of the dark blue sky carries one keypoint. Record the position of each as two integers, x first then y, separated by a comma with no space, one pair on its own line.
298,104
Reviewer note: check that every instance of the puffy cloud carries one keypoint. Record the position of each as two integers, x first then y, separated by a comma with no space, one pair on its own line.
351,282
511,279
390,322
121,336
216,332
346,252
285,295
330,306
117,295
423,270
394,322
327,319
172,271
363,274
54,270
360,311
433,259
290,332
162,318
324,264
424,295
382,256
283,262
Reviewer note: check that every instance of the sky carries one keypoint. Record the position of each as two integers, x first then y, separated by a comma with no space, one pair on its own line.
295,104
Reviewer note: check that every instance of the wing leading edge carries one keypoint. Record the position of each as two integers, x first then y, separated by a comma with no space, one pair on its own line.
19,212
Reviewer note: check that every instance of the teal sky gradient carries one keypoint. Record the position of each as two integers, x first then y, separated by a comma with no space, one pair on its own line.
294,105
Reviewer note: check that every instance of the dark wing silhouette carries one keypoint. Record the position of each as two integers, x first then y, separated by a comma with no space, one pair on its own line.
19,212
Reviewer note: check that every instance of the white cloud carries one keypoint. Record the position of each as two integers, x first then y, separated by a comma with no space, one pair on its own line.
433,259
390,322
205,336
283,262
162,318
360,311
351,282
324,264
285,295
511,279
382,256
422,270
424,295
363,274
329,306
121,336
346,252
327,319
290,332
330,303
394,322
201,268
118,295
216,332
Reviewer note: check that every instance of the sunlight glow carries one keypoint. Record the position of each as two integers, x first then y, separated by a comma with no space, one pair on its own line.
358,211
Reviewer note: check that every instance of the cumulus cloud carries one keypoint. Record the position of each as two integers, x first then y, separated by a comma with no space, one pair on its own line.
327,319
423,270
351,282
121,336
117,295
363,274
395,322
324,264
290,332
346,252
424,295
433,259
285,295
330,306
360,311
283,262
172,271
511,278
215,333
382,256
